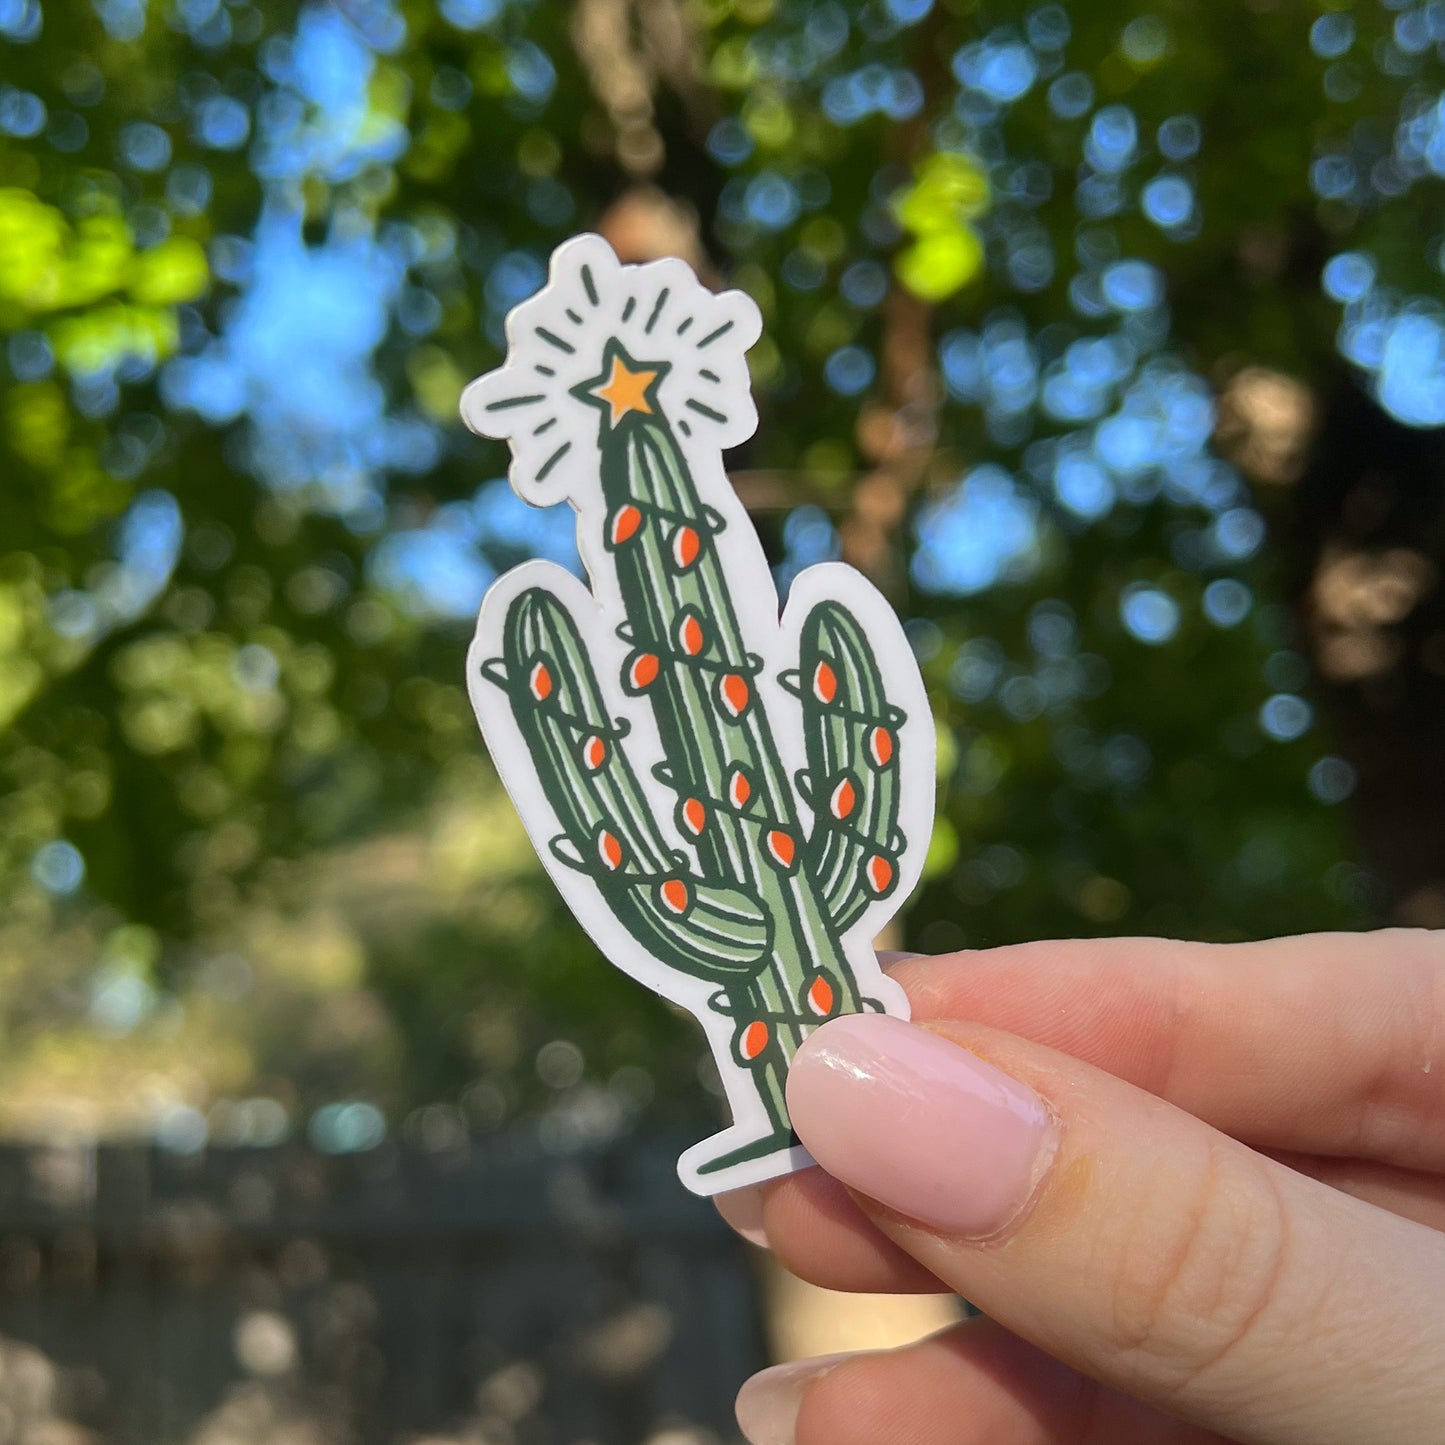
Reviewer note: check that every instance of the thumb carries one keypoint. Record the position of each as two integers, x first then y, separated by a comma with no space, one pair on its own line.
1129,1239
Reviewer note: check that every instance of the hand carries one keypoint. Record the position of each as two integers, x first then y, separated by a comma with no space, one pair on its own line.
1198,1192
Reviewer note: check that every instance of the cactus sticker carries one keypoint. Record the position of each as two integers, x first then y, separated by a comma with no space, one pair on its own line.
732,803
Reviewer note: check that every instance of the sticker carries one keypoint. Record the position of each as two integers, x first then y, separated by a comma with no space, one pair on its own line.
733,805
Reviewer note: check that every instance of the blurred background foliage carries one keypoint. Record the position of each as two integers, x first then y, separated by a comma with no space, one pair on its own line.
1105,337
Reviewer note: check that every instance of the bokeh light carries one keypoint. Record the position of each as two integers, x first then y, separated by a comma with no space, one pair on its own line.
1051,304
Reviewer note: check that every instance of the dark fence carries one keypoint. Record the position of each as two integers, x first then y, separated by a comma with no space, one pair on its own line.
484,1295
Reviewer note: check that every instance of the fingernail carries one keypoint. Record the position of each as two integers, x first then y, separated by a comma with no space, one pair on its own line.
919,1124
889,956
768,1404
743,1209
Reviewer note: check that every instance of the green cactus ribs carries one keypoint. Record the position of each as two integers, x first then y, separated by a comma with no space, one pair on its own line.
706,927
727,869
851,734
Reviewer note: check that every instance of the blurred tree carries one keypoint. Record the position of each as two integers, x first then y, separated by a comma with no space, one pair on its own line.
1076,319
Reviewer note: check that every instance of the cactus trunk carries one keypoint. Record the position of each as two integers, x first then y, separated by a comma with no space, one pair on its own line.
719,747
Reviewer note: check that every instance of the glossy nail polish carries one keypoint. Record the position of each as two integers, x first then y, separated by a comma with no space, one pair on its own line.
919,1124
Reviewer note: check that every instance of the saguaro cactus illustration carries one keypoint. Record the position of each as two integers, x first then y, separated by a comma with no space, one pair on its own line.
727,852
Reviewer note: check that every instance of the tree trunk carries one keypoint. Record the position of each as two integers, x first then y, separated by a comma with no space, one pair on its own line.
1364,538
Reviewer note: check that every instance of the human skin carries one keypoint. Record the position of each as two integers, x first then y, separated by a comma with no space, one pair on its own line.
1198,1192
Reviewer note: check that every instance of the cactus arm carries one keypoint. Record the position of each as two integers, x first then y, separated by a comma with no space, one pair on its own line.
706,928
851,733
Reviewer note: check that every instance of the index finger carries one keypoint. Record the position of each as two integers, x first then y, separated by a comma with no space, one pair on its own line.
1323,1044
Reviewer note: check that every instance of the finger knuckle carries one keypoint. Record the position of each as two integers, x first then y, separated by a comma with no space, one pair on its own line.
1193,1284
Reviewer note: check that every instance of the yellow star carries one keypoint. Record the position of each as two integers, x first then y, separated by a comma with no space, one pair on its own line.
625,390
